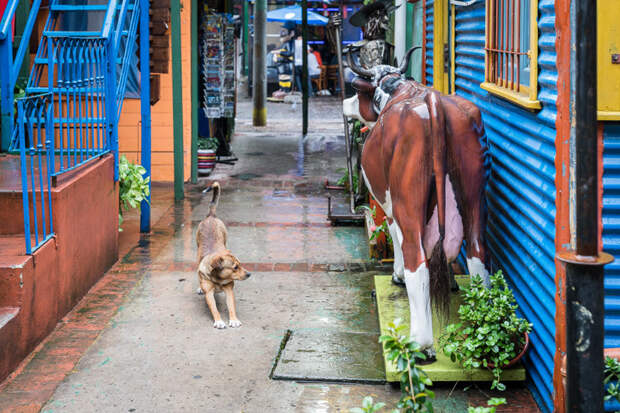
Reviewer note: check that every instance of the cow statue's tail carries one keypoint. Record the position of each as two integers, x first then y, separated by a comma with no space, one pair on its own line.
438,263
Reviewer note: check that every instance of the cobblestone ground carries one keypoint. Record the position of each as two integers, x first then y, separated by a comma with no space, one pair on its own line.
143,341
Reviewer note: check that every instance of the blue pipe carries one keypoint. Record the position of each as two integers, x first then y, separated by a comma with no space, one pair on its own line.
7,18
145,109
109,19
25,41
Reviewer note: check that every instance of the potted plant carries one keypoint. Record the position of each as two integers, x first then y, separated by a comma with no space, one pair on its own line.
133,187
207,147
489,333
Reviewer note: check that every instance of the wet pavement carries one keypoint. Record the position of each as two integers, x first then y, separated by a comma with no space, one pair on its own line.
143,341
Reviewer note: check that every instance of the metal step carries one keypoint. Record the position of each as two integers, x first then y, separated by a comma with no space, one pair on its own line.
43,61
48,33
52,33
86,8
35,90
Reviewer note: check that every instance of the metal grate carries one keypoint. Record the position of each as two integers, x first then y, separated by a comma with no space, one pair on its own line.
506,40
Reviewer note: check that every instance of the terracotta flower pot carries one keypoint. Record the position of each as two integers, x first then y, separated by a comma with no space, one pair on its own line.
206,161
518,357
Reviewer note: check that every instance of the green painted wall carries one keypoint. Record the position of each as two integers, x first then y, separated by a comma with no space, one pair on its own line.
414,38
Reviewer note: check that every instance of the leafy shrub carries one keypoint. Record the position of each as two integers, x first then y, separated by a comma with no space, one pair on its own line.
344,179
612,376
208,143
368,406
133,187
492,403
403,351
489,333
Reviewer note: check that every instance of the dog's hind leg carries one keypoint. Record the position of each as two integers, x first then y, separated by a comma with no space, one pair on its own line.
230,303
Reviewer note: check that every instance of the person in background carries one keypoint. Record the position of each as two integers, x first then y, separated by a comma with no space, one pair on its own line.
317,55
298,62
314,69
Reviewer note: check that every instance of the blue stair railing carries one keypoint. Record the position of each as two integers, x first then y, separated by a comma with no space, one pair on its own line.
76,89
37,167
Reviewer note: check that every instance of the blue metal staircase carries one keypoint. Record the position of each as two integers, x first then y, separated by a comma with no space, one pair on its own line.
74,95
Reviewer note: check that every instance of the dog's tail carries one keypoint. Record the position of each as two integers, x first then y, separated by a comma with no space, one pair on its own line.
215,186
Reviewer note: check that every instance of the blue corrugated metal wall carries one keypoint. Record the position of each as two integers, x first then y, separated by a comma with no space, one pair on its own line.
611,232
521,190
428,64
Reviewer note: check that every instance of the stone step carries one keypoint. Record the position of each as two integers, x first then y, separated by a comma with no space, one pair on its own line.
7,314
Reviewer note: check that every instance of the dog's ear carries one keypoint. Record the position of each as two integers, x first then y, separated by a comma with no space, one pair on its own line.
216,262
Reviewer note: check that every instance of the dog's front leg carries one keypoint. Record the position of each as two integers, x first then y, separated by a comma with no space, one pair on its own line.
210,298
230,303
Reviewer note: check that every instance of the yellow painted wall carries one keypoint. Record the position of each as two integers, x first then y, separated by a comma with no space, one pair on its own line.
608,28
129,127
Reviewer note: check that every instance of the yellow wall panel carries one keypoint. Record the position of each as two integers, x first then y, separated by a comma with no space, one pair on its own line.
608,91
161,117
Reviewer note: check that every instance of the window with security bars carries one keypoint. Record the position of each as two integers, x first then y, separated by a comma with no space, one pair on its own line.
511,51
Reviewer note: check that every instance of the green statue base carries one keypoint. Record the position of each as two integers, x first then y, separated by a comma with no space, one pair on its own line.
392,303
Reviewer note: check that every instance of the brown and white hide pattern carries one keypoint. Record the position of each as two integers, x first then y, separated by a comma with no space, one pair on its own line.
418,136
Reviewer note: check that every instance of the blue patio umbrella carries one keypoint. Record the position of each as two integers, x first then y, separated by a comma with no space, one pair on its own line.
293,14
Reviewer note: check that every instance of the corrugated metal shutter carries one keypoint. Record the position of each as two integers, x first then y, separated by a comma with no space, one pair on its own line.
611,232
428,64
521,190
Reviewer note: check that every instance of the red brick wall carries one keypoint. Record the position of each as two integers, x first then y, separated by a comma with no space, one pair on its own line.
56,277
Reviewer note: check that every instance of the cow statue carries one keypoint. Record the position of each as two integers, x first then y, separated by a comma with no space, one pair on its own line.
424,163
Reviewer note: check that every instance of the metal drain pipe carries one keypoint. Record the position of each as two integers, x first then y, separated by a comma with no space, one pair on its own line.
584,264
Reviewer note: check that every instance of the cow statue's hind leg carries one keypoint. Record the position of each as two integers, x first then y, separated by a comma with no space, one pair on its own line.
410,183
411,218
467,152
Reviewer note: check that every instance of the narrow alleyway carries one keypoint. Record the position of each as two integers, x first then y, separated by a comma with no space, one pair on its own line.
143,340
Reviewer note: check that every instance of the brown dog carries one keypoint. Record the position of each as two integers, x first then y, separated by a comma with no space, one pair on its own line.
218,269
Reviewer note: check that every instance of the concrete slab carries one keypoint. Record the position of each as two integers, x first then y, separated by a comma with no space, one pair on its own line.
331,356
392,303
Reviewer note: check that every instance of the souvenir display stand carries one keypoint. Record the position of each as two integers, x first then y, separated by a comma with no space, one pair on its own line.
217,82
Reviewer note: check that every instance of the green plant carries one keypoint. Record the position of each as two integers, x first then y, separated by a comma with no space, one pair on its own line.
133,187
344,180
208,143
489,333
377,229
403,351
492,403
612,376
368,406
357,135
381,229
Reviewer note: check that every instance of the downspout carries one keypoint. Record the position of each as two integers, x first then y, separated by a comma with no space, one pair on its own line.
585,262
145,111
304,69
177,99
400,30
194,91
246,43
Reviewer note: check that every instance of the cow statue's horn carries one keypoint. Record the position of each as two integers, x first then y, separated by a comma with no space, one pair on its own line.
357,69
405,63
